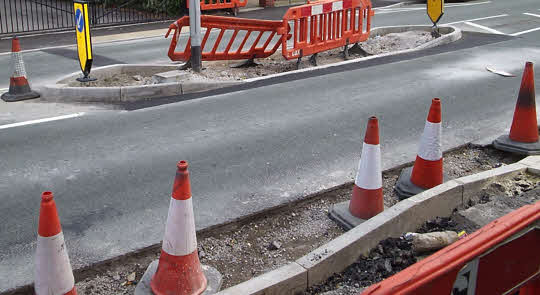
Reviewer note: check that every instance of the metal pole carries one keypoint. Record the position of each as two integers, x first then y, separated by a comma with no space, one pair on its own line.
195,34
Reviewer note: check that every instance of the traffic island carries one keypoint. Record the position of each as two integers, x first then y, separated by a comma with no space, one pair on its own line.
137,82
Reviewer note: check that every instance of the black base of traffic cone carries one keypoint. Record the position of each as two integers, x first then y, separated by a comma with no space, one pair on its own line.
404,186
8,97
504,143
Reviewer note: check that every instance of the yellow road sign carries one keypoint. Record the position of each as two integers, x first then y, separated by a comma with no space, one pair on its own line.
435,10
84,43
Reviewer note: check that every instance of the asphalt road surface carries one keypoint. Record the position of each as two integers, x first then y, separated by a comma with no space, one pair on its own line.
112,172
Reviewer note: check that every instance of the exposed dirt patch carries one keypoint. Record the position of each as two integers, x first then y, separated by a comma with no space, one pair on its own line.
256,245
222,71
276,64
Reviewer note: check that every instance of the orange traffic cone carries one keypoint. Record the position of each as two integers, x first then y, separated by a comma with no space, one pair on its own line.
53,274
367,195
179,271
428,166
523,137
19,88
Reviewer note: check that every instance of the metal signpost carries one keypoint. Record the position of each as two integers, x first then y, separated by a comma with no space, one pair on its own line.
84,42
435,10
195,34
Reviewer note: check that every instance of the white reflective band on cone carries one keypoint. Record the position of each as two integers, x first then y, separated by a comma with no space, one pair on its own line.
180,238
53,274
430,144
369,169
19,70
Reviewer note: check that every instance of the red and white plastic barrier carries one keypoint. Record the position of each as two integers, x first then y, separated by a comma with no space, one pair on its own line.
326,7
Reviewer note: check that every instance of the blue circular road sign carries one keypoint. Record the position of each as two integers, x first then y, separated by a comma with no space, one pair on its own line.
79,20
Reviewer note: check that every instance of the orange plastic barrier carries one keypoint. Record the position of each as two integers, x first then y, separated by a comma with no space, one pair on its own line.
263,45
220,4
324,25
317,27
500,258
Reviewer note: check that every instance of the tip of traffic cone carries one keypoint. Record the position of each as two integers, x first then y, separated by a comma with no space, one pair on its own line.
372,131
434,115
181,187
524,125
15,45
49,223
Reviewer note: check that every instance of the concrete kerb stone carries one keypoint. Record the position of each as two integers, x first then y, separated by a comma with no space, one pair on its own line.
341,252
194,86
533,164
288,279
407,215
136,93
531,161
61,92
473,184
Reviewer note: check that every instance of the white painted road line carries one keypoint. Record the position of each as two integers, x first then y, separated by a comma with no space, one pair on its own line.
525,32
485,28
41,121
387,7
532,14
476,19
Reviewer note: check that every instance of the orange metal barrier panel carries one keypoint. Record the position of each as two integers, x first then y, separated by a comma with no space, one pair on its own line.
324,25
500,258
230,47
220,4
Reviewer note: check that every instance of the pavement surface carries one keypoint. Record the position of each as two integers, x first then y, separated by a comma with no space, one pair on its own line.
112,170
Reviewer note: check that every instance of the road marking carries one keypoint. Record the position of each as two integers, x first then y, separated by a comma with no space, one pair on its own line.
525,32
531,14
41,121
384,10
475,19
387,7
485,28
